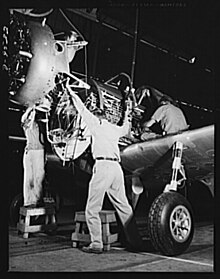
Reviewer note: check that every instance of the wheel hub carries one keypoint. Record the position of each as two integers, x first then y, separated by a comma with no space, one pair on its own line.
180,223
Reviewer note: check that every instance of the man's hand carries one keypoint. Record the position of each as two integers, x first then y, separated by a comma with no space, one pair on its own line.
128,106
71,92
68,85
146,126
128,112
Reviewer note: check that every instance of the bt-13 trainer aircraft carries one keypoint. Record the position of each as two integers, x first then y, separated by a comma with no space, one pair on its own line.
38,69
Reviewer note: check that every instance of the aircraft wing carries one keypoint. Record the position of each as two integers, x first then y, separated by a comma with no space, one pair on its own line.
156,155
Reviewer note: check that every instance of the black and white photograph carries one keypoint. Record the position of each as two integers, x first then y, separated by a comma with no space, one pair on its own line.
110,124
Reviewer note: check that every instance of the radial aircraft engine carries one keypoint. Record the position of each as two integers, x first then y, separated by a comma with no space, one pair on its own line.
32,58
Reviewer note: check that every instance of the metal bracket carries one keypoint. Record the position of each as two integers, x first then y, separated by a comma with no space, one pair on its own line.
81,83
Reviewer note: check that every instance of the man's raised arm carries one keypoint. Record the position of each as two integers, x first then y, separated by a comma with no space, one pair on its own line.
90,119
124,129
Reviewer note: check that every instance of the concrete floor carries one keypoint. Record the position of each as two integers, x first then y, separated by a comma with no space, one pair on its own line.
54,253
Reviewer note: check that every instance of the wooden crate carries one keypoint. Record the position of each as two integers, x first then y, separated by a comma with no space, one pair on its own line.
24,225
81,233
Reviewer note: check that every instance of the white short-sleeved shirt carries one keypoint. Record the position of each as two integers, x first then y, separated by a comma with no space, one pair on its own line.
171,118
105,135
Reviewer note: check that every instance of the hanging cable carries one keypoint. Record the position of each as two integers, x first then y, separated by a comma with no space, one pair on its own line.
135,46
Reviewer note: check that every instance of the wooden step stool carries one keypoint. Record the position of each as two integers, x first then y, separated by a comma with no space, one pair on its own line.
27,214
81,233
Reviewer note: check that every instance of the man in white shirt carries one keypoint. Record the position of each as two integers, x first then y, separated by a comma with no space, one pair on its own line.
33,160
34,155
107,177
170,118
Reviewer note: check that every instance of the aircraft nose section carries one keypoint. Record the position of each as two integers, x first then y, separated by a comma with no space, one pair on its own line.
35,60
41,67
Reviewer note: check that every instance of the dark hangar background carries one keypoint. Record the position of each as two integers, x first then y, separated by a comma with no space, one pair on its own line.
175,50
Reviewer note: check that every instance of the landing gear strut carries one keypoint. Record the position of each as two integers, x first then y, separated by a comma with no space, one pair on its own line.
170,218
177,168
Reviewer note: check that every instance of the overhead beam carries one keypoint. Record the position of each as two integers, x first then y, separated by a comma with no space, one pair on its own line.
125,30
129,32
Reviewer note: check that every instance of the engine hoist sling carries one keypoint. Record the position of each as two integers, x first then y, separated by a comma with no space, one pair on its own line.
177,168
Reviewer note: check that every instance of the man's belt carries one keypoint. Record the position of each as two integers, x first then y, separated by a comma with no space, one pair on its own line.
107,158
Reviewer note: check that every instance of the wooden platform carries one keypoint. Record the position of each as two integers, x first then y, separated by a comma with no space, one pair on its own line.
81,233
28,217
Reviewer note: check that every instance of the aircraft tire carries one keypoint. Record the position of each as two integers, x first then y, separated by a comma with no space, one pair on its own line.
170,223
14,208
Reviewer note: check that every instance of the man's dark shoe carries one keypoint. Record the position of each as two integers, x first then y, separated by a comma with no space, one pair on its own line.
89,249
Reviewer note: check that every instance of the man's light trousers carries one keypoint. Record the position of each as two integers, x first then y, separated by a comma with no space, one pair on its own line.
33,162
107,178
